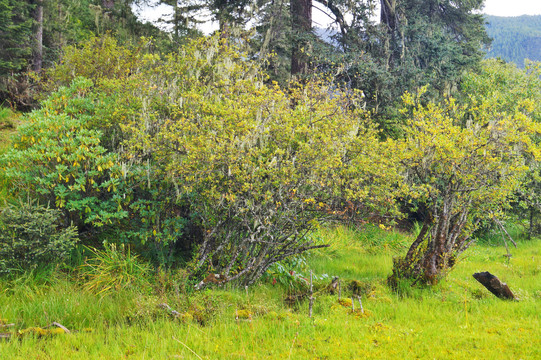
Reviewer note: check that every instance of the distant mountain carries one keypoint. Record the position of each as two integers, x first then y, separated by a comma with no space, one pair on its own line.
515,38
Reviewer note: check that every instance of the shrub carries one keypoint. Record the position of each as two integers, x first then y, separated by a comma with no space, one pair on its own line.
30,235
259,168
69,153
58,159
196,145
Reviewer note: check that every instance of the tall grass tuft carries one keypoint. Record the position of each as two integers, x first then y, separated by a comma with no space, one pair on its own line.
114,268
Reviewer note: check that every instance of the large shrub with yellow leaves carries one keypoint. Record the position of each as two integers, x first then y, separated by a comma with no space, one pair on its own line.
258,167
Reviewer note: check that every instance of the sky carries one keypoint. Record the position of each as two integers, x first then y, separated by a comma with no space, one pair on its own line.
512,7
492,7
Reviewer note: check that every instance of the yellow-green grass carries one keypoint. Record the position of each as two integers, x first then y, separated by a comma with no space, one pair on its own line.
459,319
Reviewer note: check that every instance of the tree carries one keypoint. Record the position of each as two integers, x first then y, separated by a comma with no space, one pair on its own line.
230,12
15,47
459,170
416,43
30,236
301,25
183,19
38,35
15,28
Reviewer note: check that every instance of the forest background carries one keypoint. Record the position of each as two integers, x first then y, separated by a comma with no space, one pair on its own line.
222,159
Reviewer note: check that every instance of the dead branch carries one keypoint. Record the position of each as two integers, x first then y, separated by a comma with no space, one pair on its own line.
59,326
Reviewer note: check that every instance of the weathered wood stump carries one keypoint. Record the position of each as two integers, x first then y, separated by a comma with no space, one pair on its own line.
494,285
333,286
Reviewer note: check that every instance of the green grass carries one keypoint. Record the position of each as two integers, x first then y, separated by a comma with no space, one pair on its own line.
458,319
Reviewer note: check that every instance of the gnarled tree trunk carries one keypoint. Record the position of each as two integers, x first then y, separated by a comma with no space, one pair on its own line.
436,248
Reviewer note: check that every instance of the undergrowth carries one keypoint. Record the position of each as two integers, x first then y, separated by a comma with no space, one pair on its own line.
8,125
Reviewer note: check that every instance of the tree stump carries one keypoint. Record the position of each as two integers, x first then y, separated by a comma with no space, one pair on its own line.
494,285
333,286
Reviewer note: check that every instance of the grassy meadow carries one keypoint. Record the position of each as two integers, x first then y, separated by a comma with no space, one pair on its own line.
459,319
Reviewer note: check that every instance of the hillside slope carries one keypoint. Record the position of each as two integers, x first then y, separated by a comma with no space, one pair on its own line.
515,38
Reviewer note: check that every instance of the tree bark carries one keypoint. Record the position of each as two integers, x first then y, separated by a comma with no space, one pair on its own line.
38,44
389,19
108,4
388,14
301,25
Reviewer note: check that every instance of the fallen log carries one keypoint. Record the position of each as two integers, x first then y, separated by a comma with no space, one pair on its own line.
494,285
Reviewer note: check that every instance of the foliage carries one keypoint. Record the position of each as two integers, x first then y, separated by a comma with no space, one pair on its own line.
63,23
15,30
6,119
196,147
459,170
79,125
291,272
30,236
99,59
506,87
272,41
8,124
15,44
415,43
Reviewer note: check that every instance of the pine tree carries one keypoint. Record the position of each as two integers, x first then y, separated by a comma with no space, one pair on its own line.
15,34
